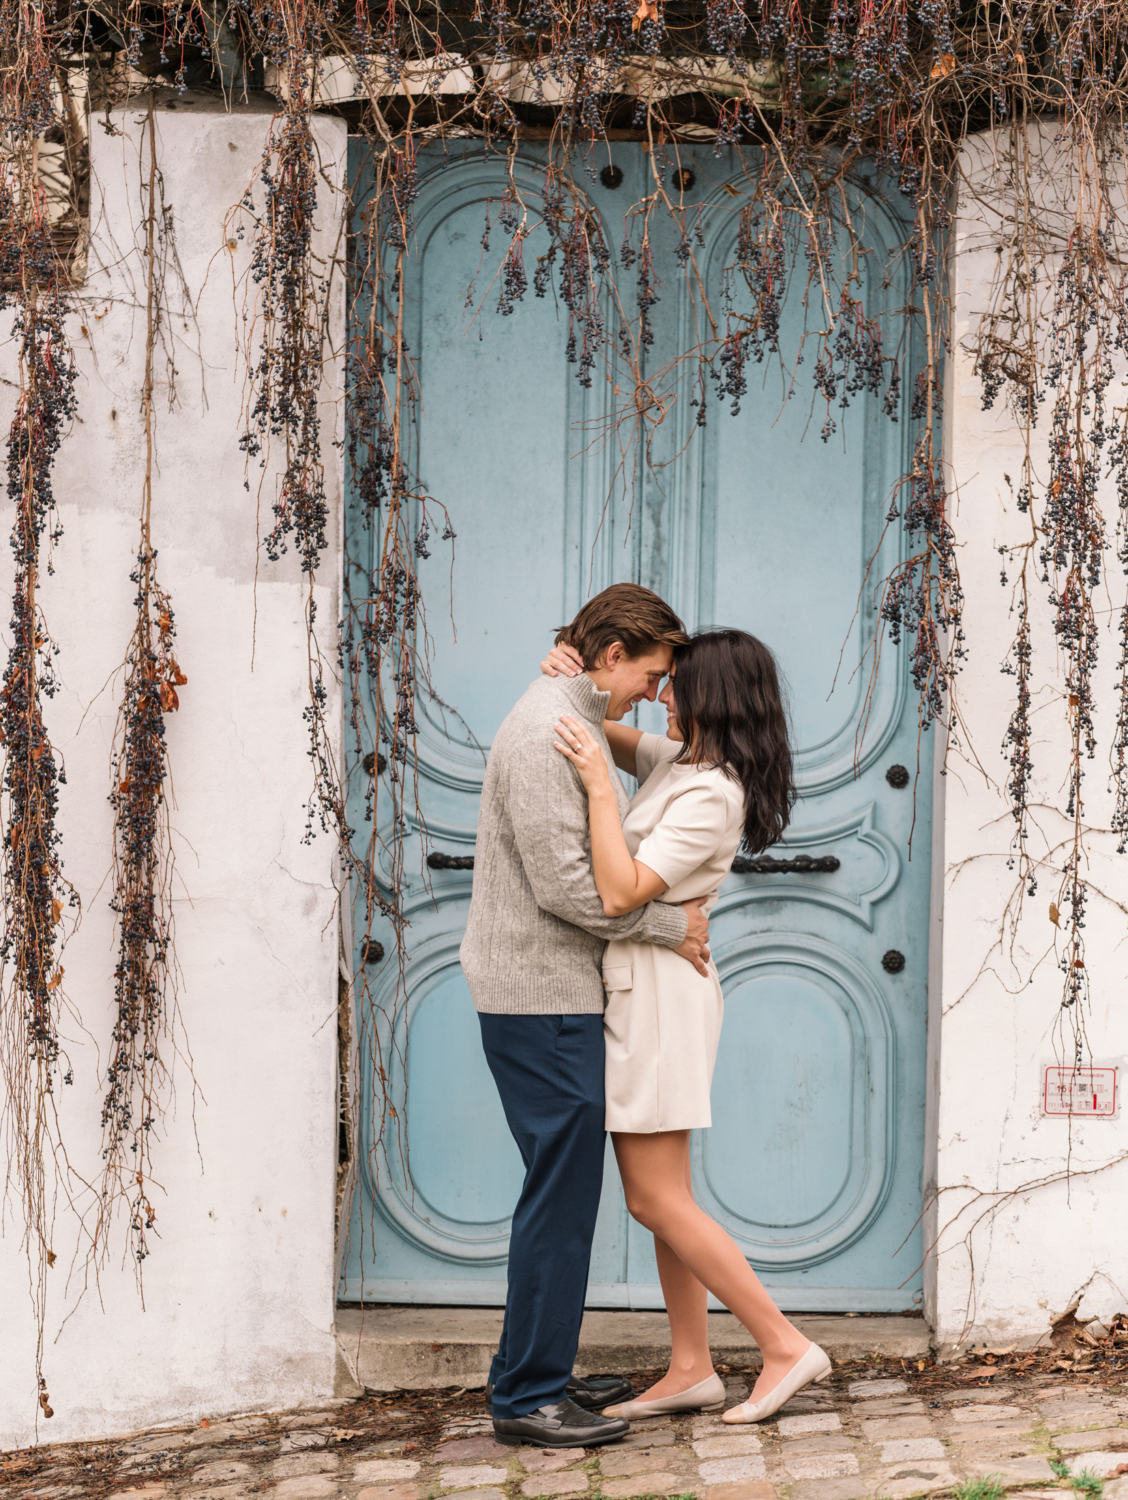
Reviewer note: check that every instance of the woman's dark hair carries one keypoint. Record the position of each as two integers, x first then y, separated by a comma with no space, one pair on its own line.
730,710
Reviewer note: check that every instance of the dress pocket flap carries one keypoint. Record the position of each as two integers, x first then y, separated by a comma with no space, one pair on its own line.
618,976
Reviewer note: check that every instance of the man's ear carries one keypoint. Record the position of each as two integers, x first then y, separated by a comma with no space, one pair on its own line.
614,654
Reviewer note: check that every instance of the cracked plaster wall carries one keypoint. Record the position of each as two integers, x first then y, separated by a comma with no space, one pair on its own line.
239,1288
994,1022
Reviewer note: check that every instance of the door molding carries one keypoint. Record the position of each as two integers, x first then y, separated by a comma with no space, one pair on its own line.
863,1193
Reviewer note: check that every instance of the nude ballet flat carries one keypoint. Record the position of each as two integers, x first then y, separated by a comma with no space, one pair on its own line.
813,1366
707,1395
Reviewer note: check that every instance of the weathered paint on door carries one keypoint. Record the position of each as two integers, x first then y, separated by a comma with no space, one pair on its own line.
814,1159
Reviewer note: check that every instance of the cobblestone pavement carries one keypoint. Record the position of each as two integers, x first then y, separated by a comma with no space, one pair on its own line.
861,1434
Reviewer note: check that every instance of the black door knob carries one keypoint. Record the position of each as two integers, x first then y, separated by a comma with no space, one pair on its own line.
893,962
897,776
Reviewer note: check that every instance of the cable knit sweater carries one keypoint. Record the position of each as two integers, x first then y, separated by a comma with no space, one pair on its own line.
537,930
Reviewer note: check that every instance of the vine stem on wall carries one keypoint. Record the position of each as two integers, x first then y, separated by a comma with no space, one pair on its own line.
137,1078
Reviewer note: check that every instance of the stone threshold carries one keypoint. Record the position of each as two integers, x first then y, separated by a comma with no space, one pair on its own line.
429,1348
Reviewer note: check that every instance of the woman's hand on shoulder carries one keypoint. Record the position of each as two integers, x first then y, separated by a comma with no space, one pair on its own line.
585,752
563,661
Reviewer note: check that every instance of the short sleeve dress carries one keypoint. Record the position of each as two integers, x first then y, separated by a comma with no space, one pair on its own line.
662,1022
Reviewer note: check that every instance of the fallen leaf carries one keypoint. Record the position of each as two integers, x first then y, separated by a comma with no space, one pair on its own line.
1055,915
730,190
56,910
943,66
51,1257
204,1422
1000,1353
165,623
53,984
1065,1322
177,675
169,701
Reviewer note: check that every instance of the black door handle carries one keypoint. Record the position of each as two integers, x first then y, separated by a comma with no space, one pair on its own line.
436,860
802,864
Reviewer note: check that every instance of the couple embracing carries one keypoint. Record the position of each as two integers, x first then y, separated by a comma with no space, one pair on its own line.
587,957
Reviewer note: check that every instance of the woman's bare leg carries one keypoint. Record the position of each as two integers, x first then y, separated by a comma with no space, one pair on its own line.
653,1170
687,1310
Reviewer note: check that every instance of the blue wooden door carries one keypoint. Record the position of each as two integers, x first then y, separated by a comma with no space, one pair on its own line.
814,1160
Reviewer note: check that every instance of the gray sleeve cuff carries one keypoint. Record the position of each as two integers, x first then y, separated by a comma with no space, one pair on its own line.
664,925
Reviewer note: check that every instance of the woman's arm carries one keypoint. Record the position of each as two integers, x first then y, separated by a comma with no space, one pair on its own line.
566,661
623,883
624,742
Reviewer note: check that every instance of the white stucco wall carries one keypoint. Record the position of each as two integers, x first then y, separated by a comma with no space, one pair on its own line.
1002,1263
239,1288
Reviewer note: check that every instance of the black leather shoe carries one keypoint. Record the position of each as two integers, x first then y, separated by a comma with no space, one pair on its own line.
591,1392
561,1425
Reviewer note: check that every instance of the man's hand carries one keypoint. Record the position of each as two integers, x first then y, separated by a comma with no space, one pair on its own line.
695,945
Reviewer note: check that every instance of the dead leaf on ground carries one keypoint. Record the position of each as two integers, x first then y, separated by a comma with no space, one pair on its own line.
1066,1327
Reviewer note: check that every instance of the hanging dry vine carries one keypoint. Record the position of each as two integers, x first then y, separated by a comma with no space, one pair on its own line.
144,994
33,284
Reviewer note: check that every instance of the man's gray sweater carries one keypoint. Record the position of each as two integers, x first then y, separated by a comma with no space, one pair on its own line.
537,930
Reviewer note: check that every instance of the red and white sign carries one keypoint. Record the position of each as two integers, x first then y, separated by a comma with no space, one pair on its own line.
1079,1091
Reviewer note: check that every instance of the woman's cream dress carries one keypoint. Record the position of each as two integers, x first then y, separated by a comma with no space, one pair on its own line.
663,1019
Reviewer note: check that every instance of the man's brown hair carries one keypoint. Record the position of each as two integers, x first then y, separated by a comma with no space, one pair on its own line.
628,613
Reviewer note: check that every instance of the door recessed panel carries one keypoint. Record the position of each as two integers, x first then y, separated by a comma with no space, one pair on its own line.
789,510
806,1023
462,1162
494,449
784,1088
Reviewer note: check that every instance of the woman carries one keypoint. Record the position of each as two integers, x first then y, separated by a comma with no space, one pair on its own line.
721,774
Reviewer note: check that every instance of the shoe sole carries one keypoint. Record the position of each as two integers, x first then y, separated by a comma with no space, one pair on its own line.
515,1440
602,1402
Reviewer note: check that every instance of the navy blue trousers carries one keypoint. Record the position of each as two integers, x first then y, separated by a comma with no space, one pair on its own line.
549,1073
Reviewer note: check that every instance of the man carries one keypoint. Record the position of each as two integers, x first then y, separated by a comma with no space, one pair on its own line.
532,957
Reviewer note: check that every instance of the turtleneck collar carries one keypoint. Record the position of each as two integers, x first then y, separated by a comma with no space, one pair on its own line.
588,701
